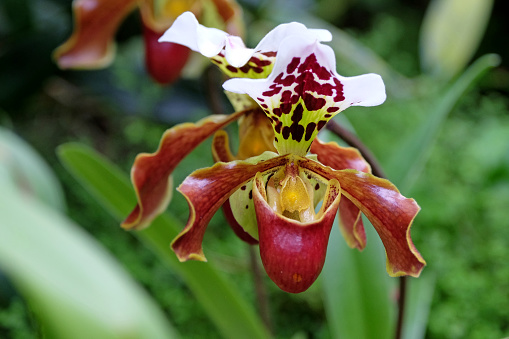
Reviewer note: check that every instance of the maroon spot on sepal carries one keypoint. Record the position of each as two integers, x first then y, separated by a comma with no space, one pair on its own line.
310,128
232,69
320,124
297,132
297,113
292,66
312,103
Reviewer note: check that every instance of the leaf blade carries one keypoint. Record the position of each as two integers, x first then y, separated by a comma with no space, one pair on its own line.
230,313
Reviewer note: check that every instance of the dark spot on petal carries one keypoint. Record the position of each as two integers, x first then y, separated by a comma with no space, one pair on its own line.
286,132
297,132
278,126
310,128
232,69
251,194
317,186
297,113
321,123
286,108
243,187
312,103
292,66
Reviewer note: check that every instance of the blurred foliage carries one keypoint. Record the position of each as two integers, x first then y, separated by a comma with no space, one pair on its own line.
463,189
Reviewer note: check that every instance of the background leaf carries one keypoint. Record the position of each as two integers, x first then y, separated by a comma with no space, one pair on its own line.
408,160
28,171
357,289
225,306
451,33
75,288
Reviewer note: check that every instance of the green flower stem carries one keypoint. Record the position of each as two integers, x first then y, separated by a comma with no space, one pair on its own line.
261,292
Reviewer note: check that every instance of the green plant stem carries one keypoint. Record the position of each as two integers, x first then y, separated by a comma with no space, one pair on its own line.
261,293
352,140
401,306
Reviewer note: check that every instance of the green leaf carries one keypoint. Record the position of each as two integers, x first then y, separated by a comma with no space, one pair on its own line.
451,33
28,171
75,288
419,297
357,289
408,160
221,300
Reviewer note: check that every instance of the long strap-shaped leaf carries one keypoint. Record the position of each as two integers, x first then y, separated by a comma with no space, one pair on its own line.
75,288
220,299
408,161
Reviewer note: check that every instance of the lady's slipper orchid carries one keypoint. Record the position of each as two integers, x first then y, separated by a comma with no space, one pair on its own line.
277,195
91,43
300,96
150,173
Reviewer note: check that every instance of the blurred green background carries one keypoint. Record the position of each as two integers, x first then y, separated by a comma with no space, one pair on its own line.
460,178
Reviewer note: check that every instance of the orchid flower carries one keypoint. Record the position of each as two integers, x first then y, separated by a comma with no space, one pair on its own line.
150,173
276,194
283,189
96,21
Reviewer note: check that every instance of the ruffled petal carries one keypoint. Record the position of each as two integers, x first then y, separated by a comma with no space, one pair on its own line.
390,213
187,31
91,43
229,51
339,158
238,56
206,190
304,92
150,172
292,252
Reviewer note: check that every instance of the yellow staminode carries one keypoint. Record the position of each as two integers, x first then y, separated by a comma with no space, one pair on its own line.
294,195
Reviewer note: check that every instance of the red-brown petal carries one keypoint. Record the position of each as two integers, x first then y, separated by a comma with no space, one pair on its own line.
339,158
390,213
221,153
164,61
150,172
221,148
91,43
206,190
293,253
